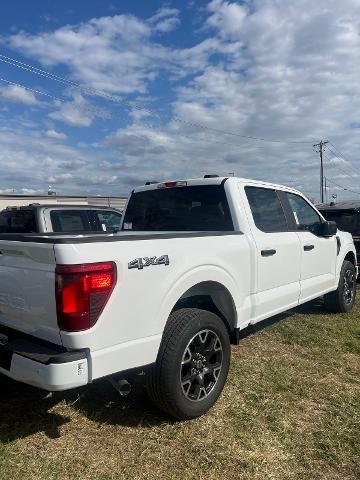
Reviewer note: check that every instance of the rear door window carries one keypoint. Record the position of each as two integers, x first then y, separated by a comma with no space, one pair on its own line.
266,209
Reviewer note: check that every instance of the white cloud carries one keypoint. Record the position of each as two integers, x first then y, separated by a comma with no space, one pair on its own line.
30,158
61,177
227,17
15,93
56,135
77,113
128,143
165,19
268,68
110,53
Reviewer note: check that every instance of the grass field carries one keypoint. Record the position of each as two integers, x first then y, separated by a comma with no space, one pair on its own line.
290,410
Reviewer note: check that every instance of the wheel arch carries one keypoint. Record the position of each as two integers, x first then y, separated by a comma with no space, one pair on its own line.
214,297
351,257
210,287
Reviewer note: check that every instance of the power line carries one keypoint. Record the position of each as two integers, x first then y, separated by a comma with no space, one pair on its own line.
347,162
94,110
90,91
341,154
332,165
337,184
53,97
342,187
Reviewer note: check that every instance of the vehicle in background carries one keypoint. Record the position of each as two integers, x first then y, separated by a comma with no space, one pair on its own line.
59,218
346,214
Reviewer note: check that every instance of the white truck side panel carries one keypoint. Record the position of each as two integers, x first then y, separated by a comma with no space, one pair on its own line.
143,299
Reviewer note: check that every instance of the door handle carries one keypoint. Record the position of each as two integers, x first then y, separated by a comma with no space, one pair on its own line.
308,247
268,253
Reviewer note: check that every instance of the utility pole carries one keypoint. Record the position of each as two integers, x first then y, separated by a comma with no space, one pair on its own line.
320,151
325,190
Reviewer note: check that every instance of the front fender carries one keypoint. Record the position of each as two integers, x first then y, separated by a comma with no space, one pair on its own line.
346,247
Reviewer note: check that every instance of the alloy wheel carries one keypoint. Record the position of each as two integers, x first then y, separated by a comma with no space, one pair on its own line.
201,365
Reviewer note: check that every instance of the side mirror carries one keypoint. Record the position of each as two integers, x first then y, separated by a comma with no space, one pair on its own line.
328,229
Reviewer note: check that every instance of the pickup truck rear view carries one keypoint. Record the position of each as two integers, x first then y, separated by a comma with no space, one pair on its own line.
196,261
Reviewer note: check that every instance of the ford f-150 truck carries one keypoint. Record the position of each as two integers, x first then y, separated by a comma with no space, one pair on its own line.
195,262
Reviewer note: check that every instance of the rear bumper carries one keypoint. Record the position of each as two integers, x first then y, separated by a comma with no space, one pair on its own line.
41,364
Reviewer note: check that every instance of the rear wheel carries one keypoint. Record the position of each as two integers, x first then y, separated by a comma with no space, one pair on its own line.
342,300
192,364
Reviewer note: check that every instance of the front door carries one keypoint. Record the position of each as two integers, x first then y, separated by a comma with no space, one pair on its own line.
318,254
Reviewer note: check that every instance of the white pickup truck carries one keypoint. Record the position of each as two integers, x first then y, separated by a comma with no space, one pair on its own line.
195,263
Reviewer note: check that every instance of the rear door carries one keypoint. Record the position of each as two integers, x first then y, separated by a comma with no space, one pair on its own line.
278,253
318,254
27,288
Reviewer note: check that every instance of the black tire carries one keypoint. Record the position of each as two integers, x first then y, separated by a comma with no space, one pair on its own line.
342,300
186,380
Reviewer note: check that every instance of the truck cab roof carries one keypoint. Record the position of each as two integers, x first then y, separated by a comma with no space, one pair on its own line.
38,206
211,180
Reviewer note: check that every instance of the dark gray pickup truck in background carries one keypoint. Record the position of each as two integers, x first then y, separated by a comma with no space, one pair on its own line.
346,214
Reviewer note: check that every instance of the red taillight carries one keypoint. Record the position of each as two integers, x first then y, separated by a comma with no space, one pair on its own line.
82,292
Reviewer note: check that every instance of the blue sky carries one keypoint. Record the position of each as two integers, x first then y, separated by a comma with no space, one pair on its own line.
126,92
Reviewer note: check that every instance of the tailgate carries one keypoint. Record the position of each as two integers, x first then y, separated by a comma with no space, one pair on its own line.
27,289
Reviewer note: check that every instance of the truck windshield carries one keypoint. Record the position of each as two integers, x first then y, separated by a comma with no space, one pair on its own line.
192,208
346,220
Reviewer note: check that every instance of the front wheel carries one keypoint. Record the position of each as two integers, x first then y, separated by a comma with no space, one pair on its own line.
342,300
192,364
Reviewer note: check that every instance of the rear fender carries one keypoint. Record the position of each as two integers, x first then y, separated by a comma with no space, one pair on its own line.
192,278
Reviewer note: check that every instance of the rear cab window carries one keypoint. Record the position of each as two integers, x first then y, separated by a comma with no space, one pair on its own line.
18,221
83,220
184,208
71,221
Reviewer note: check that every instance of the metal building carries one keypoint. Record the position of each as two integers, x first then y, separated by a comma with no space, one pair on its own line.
22,200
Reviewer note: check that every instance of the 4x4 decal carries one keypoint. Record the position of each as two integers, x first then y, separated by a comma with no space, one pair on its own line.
142,262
